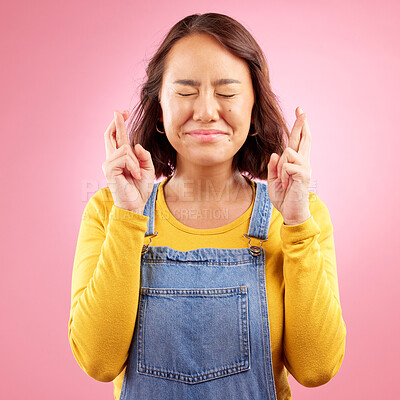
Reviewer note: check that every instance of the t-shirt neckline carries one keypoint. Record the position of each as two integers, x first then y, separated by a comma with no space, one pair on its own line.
165,212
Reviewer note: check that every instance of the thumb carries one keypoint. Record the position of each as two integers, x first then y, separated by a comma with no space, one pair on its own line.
272,170
144,157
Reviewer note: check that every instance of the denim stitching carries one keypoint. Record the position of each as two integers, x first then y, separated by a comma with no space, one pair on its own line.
266,334
239,366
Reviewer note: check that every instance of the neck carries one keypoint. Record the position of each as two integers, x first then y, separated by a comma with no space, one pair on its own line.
206,185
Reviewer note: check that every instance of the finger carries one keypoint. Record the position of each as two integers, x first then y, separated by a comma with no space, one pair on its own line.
305,141
121,136
295,134
299,111
297,172
289,155
110,142
123,151
122,159
124,163
144,157
110,135
272,166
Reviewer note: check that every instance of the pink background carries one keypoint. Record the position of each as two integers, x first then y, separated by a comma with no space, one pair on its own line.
66,67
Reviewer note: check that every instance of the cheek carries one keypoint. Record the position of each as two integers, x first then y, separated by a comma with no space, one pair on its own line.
237,115
239,108
176,112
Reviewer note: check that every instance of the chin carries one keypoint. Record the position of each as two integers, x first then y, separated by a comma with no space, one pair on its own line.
209,161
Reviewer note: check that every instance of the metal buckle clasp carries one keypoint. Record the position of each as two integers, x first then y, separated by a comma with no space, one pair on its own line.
254,250
145,247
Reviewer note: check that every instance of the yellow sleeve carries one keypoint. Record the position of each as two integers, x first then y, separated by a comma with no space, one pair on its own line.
315,332
105,286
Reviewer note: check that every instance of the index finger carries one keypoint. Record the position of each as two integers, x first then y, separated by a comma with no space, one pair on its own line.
110,136
305,141
295,134
122,135
109,139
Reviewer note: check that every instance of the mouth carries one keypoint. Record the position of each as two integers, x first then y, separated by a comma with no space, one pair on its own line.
206,135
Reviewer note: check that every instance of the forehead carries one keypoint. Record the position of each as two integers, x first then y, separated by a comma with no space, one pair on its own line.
201,54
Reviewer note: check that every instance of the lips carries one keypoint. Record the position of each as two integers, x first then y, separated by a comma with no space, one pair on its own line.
206,135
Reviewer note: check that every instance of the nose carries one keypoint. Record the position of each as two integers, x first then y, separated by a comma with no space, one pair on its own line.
206,108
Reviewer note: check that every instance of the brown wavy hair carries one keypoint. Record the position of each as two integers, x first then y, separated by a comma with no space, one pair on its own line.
269,122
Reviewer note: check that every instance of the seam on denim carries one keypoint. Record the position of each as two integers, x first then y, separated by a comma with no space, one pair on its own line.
203,262
197,380
266,335
194,292
209,374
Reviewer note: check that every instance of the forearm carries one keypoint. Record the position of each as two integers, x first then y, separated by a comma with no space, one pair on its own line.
315,332
105,292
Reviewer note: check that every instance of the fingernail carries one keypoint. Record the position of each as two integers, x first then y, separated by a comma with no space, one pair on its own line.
301,110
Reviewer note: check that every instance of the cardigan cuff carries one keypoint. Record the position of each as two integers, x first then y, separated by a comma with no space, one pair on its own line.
297,233
120,214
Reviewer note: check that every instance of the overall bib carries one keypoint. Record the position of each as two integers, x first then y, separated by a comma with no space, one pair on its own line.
202,328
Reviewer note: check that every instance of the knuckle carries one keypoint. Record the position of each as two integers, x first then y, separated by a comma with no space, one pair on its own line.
124,150
290,151
127,147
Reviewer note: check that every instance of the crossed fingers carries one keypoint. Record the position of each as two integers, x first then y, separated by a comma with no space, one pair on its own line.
295,160
117,143
115,135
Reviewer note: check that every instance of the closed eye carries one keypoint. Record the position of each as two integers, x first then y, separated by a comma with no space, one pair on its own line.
191,94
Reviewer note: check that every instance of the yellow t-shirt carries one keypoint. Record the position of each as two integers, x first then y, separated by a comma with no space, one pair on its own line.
307,329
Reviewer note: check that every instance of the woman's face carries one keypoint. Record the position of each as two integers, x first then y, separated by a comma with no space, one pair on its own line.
205,88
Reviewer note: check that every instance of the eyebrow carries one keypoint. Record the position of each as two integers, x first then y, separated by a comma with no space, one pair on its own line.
218,82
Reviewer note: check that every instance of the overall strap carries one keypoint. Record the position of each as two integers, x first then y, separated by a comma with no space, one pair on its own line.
261,215
149,210
259,221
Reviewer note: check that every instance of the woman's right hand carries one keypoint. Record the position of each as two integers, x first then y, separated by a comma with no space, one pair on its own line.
129,172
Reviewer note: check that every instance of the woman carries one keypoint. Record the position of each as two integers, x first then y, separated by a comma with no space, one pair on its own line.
208,285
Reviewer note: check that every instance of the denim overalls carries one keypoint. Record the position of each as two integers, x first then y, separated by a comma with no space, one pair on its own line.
202,328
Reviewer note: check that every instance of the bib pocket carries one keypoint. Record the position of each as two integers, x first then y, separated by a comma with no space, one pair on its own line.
193,335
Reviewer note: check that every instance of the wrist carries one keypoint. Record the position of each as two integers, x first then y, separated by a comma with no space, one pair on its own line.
135,210
296,221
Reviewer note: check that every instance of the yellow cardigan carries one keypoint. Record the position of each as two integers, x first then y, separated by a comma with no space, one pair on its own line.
307,329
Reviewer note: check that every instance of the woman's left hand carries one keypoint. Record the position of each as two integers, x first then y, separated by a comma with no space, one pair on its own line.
289,175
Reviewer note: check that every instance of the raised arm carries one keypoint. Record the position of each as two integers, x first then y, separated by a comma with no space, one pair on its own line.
106,272
315,332
105,287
